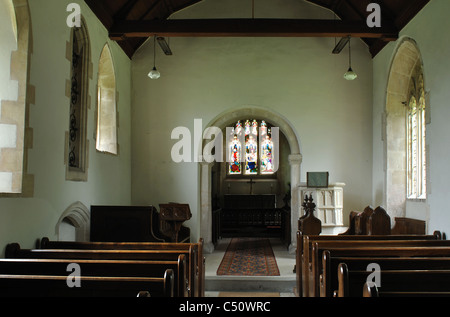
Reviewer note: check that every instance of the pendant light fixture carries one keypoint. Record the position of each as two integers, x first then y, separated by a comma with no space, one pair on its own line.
154,73
350,74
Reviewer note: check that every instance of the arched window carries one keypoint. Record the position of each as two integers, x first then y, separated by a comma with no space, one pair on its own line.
405,109
15,38
251,149
106,104
416,155
77,144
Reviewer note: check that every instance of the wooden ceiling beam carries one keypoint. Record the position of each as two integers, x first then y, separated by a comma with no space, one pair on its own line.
250,28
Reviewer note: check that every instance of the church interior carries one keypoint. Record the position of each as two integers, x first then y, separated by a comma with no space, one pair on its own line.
222,119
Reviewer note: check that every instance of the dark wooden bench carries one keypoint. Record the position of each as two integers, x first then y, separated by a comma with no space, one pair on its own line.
405,283
15,251
105,268
329,278
16,285
304,249
320,246
199,271
45,243
374,252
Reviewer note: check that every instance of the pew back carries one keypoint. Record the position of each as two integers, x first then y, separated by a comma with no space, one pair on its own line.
104,268
91,286
330,265
198,271
15,251
304,248
395,282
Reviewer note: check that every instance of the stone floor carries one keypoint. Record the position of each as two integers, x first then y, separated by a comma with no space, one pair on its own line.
262,286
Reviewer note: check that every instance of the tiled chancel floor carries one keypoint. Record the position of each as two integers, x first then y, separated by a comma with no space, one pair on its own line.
251,285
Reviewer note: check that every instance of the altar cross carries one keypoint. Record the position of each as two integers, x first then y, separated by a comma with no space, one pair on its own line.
251,182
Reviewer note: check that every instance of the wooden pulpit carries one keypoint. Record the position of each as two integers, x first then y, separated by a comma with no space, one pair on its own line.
174,214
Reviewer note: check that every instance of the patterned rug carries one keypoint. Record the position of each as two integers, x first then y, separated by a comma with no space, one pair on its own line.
249,256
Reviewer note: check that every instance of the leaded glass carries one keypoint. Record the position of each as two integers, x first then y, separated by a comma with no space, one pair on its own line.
266,150
236,151
416,154
251,149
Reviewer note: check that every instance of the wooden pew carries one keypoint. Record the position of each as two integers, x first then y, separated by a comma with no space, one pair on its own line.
104,268
411,252
405,225
14,250
303,269
319,247
12,285
404,283
378,222
198,271
329,279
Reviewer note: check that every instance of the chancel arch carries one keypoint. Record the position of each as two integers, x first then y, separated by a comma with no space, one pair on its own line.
405,94
291,167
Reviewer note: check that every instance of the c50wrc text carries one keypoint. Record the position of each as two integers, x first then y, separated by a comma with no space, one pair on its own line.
229,306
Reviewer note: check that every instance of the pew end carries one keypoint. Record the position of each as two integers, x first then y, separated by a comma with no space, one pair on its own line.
370,289
343,290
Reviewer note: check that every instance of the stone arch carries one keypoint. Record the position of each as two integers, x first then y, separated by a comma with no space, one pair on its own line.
405,62
76,217
227,118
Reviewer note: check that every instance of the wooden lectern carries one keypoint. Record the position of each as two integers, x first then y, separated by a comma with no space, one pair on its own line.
174,214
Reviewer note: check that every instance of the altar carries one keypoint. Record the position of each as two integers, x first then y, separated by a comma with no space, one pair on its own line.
250,215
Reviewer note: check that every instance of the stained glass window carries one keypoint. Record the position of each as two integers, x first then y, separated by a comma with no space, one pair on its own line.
416,156
251,149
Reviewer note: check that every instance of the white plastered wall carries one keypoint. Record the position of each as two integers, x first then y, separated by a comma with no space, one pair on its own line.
24,220
298,78
428,31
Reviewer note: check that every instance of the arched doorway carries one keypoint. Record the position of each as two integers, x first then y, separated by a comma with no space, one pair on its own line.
227,119
74,223
406,67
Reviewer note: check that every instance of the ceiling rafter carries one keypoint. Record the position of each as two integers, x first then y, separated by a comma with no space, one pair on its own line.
126,21
249,28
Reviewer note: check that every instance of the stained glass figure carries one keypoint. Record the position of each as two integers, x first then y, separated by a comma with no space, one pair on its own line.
251,147
251,150
266,153
235,153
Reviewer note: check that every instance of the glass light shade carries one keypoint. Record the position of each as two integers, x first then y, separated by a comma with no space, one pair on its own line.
154,73
350,74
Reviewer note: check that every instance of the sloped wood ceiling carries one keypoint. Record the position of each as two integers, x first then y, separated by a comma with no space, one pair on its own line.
131,22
